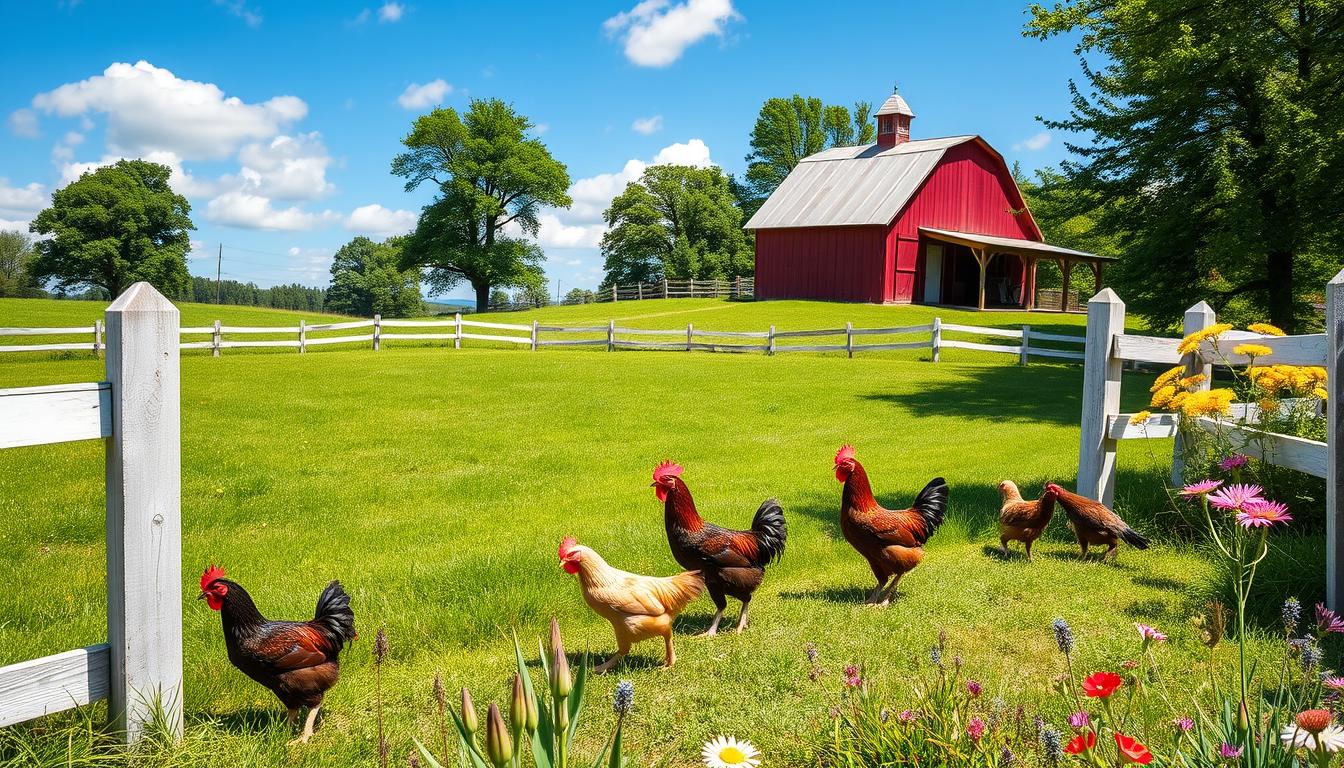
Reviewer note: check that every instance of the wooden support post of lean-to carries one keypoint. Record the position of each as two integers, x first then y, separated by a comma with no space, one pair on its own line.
1197,318
144,520
1101,397
1334,430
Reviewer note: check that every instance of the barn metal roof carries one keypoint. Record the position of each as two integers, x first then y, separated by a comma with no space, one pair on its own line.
1010,245
895,105
852,186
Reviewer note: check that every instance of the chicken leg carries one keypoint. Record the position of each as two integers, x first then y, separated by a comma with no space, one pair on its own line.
890,592
720,604
742,619
307,726
622,648
671,658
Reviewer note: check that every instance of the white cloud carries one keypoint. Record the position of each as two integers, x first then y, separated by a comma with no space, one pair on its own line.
23,122
151,109
647,125
540,129
417,96
693,152
391,12
1033,143
248,211
309,264
287,167
655,33
21,202
374,219
180,180
241,9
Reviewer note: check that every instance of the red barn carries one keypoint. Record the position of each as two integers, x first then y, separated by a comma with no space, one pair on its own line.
934,221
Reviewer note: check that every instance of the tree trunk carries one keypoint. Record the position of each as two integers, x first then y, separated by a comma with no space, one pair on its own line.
482,296
1279,269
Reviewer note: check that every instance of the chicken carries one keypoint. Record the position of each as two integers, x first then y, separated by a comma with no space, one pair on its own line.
732,562
297,660
891,541
1093,523
638,607
1021,520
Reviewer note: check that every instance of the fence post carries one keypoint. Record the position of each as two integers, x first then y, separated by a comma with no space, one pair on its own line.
639,291
215,339
771,341
1101,397
849,338
664,287
613,292
690,329
737,287
377,331
97,337
534,335
457,330
144,506
1026,345
1334,467
303,336
1197,318
937,342
611,335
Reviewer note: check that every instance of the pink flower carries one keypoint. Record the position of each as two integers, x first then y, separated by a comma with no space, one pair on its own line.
852,677
1079,719
1149,634
1333,683
1183,724
1260,513
1327,621
1236,496
975,729
907,716
973,688
1201,488
1235,461
1229,752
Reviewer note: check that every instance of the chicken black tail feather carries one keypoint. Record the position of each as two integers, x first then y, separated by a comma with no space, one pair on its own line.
334,614
931,504
770,530
1134,539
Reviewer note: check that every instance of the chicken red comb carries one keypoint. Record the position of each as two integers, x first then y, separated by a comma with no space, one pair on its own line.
846,452
567,545
211,573
665,470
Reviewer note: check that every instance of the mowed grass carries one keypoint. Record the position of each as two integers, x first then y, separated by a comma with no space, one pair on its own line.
436,484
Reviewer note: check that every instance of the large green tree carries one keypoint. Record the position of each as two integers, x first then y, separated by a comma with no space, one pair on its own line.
1216,156
16,257
493,178
114,226
675,222
367,279
786,131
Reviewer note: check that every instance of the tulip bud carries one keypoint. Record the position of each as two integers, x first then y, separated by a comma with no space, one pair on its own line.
1243,716
498,745
560,680
518,707
469,720
532,715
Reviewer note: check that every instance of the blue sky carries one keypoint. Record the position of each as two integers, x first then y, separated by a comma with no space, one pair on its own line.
280,119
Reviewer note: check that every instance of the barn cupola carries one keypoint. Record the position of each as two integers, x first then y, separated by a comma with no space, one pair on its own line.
893,122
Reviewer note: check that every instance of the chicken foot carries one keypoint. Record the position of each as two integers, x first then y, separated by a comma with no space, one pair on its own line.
889,593
622,649
876,593
307,726
742,620
713,625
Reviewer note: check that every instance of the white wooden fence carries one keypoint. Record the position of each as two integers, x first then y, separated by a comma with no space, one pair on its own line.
136,410
1023,343
1108,347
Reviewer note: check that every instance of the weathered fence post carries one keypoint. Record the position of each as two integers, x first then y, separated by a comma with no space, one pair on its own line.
1334,438
457,330
613,292
937,337
1101,397
97,338
377,331
215,339
849,339
770,341
639,291
664,287
1197,318
1026,345
690,330
144,520
534,335
303,336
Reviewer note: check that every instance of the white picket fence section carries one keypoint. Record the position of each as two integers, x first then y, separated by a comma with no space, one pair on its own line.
136,410
1024,343
1103,426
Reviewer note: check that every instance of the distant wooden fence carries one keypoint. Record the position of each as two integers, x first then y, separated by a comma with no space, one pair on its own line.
1108,347
136,410
737,288
1024,343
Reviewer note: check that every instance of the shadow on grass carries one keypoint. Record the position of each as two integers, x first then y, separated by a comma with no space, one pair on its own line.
253,720
845,595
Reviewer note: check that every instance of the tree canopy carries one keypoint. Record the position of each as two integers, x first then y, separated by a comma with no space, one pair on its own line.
16,257
367,280
114,226
493,180
786,131
1215,157
675,222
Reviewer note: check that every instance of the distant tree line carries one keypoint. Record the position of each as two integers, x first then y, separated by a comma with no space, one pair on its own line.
292,296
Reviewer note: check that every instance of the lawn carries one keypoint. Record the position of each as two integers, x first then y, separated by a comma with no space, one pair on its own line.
436,485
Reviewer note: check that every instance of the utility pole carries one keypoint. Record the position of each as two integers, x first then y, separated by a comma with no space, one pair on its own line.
219,263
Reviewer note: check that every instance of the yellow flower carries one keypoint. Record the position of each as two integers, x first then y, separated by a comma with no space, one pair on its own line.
1268,404
1320,394
1191,343
1167,378
1140,417
1175,402
1252,350
1208,403
1162,397
1189,382
1265,329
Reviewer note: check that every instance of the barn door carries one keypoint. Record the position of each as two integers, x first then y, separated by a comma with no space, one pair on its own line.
933,274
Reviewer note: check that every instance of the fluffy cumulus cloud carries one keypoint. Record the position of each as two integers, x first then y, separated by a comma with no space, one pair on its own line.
239,208
287,167
378,221
182,181
656,32
309,265
18,205
419,96
1033,143
647,125
391,12
23,122
151,109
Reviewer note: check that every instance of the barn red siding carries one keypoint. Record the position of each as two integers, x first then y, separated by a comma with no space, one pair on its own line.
836,263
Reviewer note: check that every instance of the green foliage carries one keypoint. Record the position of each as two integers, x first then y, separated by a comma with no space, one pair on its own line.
16,260
490,173
1215,156
114,226
579,296
291,296
786,131
675,222
367,279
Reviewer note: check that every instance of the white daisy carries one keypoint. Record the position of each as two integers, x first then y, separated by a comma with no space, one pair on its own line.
727,752
1296,737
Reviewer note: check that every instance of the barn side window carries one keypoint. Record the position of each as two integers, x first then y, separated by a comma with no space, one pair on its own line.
884,125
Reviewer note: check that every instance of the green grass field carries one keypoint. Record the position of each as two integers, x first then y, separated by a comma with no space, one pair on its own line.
436,485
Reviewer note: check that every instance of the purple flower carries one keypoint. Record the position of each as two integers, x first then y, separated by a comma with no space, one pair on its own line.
1229,752
811,650
852,677
1235,461
907,715
975,728
1201,488
1183,724
1079,719
1327,621
1149,634
973,688
1236,496
1260,513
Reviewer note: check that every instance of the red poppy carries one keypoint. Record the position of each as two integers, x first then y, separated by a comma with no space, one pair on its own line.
1100,685
1081,743
1132,751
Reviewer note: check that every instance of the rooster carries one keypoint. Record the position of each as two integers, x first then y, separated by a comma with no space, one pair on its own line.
732,562
891,541
1021,520
297,660
1093,523
638,607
